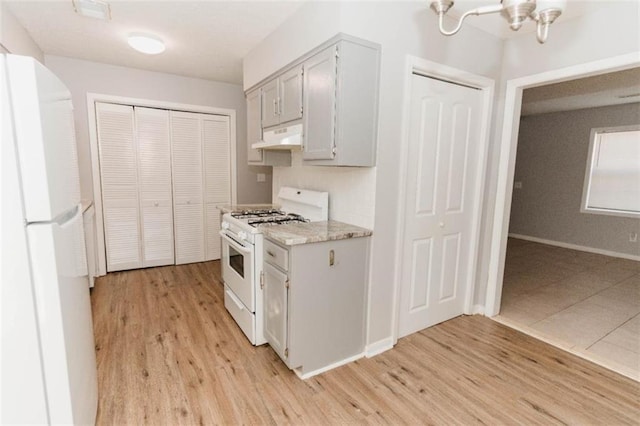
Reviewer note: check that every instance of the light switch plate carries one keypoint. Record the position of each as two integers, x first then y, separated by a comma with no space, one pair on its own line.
262,177
517,185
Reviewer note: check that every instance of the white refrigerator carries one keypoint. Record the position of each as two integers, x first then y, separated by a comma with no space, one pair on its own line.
48,365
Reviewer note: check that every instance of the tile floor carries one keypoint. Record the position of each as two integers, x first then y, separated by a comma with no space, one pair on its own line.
586,303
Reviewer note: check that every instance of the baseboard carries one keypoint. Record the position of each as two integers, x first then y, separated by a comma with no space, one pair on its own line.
576,247
477,310
328,367
378,347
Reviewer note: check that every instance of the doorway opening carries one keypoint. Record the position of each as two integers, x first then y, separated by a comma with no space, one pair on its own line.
561,275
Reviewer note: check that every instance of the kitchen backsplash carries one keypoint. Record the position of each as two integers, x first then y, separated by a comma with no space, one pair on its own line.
351,189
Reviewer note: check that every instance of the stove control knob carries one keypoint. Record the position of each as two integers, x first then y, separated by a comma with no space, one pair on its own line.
242,235
225,225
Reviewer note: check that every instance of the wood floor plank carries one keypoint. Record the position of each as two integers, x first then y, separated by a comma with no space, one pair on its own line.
168,353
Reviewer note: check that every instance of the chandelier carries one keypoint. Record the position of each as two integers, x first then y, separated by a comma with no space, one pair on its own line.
516,12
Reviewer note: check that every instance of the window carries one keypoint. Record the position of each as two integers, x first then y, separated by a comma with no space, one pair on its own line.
612,181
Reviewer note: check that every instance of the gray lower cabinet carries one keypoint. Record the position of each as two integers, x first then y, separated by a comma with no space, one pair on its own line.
314,302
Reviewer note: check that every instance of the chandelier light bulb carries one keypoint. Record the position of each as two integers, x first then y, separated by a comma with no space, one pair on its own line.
516,12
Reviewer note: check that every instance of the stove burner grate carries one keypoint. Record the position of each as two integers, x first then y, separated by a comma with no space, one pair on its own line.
260,213
284,219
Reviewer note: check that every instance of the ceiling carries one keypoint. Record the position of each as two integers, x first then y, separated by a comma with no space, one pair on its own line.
208,39
204,39
615,88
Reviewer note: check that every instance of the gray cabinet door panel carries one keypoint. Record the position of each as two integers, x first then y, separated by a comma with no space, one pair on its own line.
319,100
270,115
276,299
291,95
254,127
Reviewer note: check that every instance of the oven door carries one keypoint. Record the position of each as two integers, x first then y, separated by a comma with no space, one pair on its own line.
237,268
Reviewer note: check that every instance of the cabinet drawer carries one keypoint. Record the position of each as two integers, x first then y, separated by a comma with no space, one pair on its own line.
243,317
276,255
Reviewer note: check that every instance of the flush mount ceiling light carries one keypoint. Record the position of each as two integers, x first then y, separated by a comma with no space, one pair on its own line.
515,12
93,9
146,43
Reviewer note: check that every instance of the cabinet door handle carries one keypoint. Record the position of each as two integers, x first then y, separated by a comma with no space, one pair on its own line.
275,107
270,253
332,257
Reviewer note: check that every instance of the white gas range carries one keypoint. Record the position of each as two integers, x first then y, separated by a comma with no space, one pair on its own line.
242,245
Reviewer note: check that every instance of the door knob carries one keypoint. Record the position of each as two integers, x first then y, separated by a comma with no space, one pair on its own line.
441,224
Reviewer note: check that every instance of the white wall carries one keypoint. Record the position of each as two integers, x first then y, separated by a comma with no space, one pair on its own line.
14,38
351,189
82,77
609,32
401,28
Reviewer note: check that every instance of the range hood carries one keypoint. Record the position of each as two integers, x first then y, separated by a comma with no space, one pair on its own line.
289,138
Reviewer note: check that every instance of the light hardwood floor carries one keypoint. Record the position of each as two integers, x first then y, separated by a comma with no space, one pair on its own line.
168,353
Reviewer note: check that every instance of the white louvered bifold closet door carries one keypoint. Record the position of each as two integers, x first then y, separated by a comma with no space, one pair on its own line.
118,173
217,178
186,150
154,176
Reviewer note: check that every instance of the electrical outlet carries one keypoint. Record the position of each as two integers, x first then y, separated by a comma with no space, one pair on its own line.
262,177
633,237
517,185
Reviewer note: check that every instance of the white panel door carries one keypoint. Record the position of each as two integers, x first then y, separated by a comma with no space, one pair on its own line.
441,202
119,178
189,233
217,178
154,172
186,150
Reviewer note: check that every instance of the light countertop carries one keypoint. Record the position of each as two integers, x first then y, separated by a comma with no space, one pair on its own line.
313,232
228,208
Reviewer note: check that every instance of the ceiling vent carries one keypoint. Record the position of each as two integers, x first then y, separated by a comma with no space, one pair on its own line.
93,9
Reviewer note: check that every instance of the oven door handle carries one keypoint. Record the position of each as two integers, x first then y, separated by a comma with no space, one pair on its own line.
234,243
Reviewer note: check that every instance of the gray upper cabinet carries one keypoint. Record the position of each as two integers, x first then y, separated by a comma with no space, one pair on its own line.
290,102
319,105
341,105
254,129
259,157
270,94
282,98
333,91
